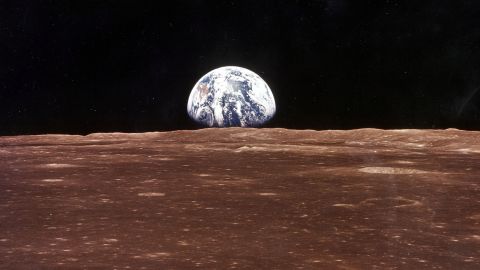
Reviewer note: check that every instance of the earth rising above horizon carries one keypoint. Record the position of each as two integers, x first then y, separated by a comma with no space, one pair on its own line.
231,97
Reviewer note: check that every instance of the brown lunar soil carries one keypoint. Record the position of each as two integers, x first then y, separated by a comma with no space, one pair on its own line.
241,199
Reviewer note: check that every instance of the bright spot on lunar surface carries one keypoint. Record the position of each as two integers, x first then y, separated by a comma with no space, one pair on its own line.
231,97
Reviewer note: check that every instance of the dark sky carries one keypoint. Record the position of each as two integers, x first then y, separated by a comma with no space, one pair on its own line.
96,66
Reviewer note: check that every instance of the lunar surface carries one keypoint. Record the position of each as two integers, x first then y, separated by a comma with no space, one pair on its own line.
241,199
231,97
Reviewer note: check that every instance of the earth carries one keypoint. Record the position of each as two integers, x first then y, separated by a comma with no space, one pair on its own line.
231,97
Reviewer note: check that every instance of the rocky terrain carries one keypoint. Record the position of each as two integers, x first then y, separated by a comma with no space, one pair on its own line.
241,199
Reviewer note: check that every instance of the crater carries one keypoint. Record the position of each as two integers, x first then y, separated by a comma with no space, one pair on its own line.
391,170
52,180
58,165
151,194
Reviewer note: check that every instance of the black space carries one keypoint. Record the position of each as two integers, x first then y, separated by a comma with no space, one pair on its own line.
98,66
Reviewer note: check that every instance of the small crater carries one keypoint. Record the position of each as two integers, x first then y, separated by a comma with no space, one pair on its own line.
58,165
475,217
110,240
467,150
391,170
151,194
391,202
267,194
52,180
345,205
152,255
61,239
404,162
